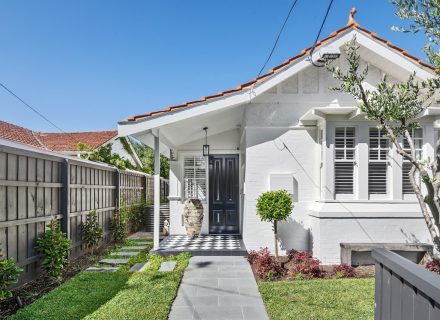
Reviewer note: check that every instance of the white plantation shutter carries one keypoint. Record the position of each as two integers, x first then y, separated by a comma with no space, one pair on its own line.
378,162
344,160
417,136
194,168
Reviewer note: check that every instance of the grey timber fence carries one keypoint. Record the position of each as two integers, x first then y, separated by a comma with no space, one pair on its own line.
37,186
403,289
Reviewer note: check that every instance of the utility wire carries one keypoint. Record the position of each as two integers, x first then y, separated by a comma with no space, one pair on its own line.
319,33
37,112
278,37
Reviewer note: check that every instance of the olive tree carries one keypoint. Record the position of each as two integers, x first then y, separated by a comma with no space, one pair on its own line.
274,206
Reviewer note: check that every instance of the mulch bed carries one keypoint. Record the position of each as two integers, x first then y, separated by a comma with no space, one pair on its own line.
35,289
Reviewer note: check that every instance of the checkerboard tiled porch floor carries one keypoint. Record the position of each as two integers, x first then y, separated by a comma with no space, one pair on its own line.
214,245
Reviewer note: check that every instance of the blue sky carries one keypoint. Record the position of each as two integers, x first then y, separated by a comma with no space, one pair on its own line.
87,64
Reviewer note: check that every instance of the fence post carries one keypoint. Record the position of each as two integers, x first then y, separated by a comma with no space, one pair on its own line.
65,197
117,190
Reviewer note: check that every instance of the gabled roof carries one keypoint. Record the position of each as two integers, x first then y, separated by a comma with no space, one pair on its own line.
352,24
55,141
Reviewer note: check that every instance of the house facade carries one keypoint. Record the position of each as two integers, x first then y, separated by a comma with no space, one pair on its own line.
287,130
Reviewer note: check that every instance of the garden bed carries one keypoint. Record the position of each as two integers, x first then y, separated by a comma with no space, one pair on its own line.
35,289
112,295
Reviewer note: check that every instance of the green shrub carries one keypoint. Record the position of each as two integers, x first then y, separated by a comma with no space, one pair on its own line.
274,206
9,273
137,214
92,231
54,245
119,223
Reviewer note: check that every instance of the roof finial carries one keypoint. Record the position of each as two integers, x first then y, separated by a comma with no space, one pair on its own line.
351,20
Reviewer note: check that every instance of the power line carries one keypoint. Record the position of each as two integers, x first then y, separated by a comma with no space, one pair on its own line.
36,111
278,38
319,33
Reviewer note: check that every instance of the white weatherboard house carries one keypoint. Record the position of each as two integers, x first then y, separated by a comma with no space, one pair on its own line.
287,130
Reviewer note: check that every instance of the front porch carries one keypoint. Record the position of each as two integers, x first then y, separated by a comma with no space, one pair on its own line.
204,245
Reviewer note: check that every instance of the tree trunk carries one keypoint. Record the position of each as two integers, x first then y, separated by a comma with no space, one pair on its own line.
424,207
275,227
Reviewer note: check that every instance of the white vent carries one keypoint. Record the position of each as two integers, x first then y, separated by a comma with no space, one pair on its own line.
344,160
417,137
378,162
194,169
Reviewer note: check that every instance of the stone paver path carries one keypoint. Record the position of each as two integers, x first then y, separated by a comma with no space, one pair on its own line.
125,254
102,269
218,287
139,267
114,261
134,248
167,266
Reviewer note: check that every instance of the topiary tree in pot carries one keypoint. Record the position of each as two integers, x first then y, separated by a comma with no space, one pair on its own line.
274,206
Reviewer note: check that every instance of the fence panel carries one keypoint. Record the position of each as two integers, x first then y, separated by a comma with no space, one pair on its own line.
30,188
91,187
36,186
404,290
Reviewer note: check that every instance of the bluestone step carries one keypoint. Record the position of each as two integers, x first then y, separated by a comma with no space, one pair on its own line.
103,269
134,248
125,254
139,267
114,261
167,266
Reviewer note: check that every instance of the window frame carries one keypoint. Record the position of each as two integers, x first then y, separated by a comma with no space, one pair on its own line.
355,150
183,185
380,137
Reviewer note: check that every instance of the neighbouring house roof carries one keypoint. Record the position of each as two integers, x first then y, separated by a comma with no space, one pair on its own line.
352,24
55,141
69,141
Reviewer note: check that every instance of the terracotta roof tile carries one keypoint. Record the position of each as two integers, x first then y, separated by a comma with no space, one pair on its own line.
54,141
19,134
351,24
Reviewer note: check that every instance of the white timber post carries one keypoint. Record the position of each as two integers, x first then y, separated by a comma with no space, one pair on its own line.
156,192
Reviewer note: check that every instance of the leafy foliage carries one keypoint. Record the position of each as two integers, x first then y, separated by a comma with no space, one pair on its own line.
343,270
54,245
303,265
424,16
9,273
434,266
104,154
92,230
274,205
119,223
146,155
266,265
137,215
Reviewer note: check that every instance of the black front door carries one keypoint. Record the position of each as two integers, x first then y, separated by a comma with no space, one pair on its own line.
223,194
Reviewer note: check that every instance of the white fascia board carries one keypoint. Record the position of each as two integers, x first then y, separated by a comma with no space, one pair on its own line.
392,55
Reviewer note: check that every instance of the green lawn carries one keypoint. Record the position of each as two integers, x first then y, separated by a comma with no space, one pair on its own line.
119,295
319,299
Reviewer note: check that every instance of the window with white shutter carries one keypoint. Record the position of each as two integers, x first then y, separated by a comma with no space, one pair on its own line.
194,168
378,162
417,137
344,160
